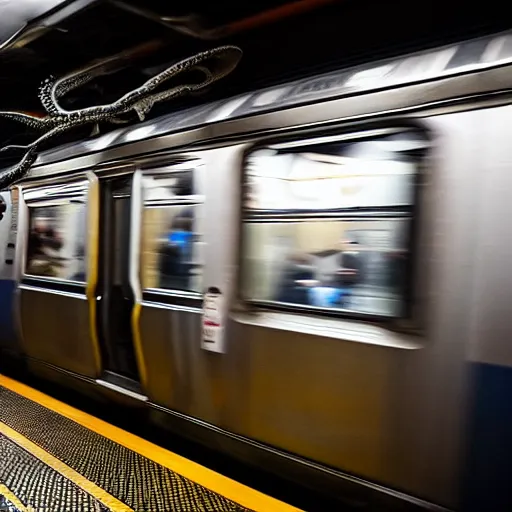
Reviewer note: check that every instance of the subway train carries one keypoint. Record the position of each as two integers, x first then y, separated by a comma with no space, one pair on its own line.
308,277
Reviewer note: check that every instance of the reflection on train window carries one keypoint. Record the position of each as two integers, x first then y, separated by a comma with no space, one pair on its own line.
175,186
358,266
57,242
171,248
172,244
327,224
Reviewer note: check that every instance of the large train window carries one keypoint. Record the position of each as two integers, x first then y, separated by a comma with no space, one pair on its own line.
57,232
171,239
327,223
56,244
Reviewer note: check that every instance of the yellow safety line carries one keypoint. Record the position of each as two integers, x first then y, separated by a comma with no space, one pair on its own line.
12,498
216,482
97,492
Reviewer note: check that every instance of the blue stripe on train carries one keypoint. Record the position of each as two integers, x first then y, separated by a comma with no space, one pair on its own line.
487,482
7,328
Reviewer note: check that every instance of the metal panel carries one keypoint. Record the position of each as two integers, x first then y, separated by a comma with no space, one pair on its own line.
6,251
432,390
8,334
183,377
56,329
320,397
489,421
164,353
490,316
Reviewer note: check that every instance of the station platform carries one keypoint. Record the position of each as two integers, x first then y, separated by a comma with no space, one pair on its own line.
56,458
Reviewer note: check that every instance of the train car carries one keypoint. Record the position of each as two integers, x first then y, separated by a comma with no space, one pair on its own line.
308,277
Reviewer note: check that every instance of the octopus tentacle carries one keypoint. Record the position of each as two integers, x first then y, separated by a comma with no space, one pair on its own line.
18,171
81,77
33,122
222,61
143,107
227,58
13,146
46,98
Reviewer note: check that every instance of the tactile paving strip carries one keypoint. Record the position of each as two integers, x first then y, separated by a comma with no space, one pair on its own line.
133,479
38,486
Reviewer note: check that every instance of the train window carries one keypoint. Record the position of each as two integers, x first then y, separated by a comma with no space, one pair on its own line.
57,242
327,223
172,220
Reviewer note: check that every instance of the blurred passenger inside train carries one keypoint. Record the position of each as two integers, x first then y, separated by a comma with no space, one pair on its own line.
79,275
298,277
175,260
176,252
396,271
43,250
325,279
349,272
341,275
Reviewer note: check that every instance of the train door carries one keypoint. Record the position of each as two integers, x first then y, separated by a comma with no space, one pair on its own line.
168,262
115,293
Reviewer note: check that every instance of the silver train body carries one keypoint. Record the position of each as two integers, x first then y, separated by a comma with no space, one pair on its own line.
387,390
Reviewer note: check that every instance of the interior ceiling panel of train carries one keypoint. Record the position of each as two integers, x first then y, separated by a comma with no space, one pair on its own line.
281,40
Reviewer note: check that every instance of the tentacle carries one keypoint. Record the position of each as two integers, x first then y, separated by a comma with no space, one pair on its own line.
223,60
79,78
143,107
68,83
33,122
53,89
219,61
45,96
14,146
18,171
